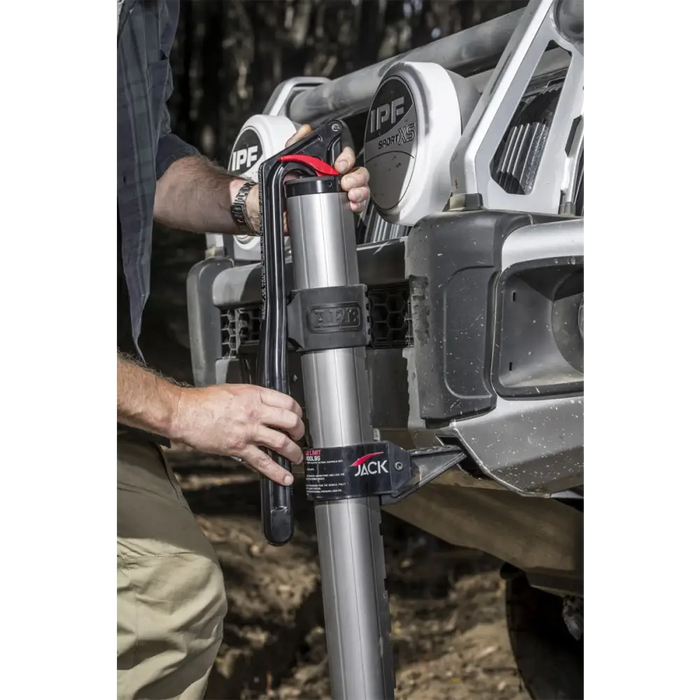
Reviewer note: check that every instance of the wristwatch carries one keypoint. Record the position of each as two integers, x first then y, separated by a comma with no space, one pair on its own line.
239,211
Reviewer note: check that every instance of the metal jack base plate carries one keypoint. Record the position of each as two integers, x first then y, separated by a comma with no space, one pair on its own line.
426,465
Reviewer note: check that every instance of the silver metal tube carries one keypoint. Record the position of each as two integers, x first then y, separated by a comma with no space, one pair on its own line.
336,389
470,51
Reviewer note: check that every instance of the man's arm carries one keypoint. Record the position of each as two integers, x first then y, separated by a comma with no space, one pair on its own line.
145,400
195,195
233,420
191,192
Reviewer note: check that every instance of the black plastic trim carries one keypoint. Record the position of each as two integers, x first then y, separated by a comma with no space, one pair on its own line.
312,185
452,262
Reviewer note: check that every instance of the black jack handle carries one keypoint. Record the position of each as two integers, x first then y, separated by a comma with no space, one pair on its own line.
311,156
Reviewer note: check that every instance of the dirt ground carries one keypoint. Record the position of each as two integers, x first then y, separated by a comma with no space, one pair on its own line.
448,629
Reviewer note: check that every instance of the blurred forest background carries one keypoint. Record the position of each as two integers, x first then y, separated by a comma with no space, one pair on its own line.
228,57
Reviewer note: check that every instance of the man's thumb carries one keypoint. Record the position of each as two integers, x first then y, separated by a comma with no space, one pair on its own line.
303,131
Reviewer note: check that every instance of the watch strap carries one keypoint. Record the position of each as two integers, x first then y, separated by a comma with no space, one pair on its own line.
238,208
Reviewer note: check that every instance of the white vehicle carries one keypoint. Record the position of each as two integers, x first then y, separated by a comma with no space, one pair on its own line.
472,257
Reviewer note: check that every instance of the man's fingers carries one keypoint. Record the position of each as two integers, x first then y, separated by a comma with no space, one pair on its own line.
357,178
345,161
266,466
270,397
355,184
358,194
280,443
303,131
284,420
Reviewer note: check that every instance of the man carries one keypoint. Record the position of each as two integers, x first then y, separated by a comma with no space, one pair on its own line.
170,593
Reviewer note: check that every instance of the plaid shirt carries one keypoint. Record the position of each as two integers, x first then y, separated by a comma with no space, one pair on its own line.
145,145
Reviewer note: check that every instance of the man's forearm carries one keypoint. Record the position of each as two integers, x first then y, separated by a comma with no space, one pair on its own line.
145,400
195,195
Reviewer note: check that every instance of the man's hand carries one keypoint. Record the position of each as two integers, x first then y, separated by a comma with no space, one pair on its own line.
236,420
354,182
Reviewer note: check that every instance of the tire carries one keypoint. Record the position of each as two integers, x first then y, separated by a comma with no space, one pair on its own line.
549,659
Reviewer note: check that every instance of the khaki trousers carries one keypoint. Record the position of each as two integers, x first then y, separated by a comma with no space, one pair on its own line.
171,599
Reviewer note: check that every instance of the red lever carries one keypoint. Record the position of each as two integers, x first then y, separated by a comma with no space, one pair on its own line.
320,166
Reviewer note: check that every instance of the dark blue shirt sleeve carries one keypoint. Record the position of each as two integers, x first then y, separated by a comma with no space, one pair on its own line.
170,146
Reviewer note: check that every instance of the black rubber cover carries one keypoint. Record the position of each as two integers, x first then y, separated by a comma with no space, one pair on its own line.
327,318
452,261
